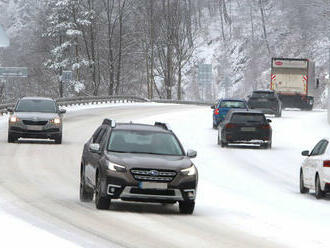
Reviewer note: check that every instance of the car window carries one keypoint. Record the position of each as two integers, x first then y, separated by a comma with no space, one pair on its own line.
317,148
36,105
323,147
132,141
100,135
232,104
248,117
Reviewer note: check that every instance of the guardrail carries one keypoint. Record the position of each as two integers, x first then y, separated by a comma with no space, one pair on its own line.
105,99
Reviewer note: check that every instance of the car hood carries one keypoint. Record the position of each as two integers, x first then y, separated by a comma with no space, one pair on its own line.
134,160
35,115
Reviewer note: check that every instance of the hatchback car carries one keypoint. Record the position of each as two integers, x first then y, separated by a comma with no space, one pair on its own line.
137,162
315,170
35,117
266,101
222,107
245,127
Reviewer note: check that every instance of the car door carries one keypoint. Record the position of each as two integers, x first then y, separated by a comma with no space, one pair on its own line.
310,164
90,156
318,160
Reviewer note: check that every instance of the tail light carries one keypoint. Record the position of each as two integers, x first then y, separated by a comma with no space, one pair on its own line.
216,111
326,163
230,125
265,126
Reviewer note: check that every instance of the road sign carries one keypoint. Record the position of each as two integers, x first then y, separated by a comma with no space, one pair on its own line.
66,76
6,72
205,74
4,40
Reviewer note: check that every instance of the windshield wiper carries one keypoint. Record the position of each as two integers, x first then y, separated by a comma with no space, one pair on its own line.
117,151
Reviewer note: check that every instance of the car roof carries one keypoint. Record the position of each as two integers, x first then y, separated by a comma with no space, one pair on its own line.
140,127
263,91
36,98
233,99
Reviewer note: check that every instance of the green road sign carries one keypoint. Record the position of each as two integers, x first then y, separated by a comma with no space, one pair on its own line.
4,40
205,74
6,72
66,76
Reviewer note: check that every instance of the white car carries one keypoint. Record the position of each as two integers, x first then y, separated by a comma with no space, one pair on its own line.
315,170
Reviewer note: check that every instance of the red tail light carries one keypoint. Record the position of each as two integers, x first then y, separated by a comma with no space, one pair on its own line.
216,111
230,125
265,127
326,163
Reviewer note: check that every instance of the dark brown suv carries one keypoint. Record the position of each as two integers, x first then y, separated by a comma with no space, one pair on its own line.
137,162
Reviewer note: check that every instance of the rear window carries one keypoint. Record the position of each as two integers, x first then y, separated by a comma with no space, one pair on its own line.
232,104
36,105
263,94
248,117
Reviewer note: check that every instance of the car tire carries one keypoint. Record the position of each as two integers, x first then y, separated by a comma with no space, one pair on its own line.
187,207
319,194
101,202
223,144
279,114
303,189
11,138
267,145
86,193
58,139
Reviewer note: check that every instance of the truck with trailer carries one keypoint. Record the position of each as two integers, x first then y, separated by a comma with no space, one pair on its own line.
294,82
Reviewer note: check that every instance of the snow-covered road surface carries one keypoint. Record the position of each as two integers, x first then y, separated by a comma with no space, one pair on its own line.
247,197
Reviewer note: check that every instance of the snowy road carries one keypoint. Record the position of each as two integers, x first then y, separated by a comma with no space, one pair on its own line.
247,197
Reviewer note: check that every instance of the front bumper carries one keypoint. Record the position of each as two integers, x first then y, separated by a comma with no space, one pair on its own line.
119,185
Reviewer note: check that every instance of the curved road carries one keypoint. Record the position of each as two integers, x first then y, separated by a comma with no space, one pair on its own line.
39,182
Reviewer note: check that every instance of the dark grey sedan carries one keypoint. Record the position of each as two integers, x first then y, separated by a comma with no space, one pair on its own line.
35,117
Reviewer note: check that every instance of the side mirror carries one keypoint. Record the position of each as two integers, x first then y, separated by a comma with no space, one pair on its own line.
305,153
191,153
62,111
317,83
213,107
269,120
95,148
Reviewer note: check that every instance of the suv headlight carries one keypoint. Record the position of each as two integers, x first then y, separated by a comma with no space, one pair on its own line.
13,119
116,167
189,171
56,121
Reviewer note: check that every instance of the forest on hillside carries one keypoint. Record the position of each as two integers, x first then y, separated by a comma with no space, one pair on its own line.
152,48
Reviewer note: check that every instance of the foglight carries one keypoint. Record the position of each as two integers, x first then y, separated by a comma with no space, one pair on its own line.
13,119
116,167
189,171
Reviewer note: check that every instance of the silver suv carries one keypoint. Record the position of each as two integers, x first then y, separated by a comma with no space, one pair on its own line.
35,117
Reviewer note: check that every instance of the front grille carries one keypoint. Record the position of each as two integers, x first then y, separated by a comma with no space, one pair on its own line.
154,175
168,192
35,123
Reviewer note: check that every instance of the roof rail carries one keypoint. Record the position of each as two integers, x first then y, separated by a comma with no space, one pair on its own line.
109,122
163,125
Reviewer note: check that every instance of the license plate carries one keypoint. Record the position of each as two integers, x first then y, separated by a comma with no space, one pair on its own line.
248,129
35,128
150,185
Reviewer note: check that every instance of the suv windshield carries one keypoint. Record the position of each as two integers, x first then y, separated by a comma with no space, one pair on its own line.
248,117
232,104
263,94
36,105
144,142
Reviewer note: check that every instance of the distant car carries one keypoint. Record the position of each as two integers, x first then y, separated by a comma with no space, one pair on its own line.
266,101
245,127
315,170
137,162
35,117
222,107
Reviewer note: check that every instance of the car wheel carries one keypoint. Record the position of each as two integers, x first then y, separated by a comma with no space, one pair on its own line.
101,202
86,193
186,207
267,145
58,139
11,138
303,189
223,144
318,191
